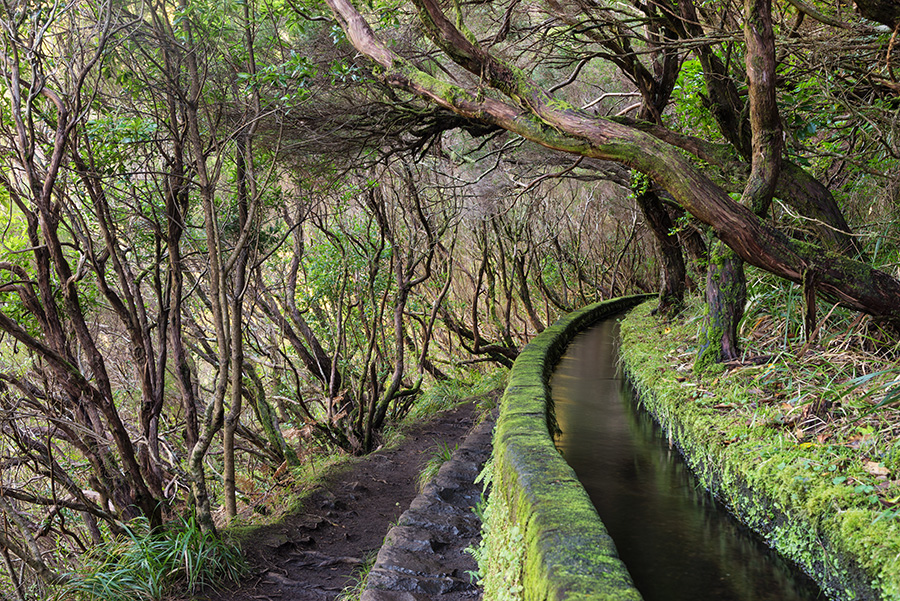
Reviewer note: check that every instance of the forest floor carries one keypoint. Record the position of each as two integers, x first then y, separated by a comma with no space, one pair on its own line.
315,553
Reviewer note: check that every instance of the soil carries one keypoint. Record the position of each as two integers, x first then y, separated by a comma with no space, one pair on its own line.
315,554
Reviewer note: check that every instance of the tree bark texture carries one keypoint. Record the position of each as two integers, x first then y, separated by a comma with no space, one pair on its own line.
726,293
809,303
726,288
882,11
672,271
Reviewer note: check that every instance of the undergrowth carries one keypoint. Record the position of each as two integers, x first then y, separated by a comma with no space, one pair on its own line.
440,456
501,552
449,393
355,589
151,566
841,385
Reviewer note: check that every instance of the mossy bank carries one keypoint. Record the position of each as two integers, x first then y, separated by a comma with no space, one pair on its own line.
815,500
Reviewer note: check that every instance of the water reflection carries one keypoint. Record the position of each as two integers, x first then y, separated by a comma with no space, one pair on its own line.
677,542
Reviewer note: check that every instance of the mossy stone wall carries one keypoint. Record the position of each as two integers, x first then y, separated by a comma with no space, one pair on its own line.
563,550
566,551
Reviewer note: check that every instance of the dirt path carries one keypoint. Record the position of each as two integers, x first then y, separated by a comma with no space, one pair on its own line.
313,555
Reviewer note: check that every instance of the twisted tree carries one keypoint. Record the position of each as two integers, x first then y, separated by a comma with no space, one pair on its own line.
502,94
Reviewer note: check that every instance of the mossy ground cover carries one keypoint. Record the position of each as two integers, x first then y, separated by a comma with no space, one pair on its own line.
801,446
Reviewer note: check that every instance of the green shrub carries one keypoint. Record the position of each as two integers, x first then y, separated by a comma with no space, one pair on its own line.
501,552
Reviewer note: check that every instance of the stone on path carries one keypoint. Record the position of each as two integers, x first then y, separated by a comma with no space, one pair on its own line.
424,556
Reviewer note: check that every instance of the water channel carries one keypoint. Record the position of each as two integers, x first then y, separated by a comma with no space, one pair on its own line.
677,541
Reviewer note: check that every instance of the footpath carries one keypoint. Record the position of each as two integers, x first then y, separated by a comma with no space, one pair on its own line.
318,550
424,554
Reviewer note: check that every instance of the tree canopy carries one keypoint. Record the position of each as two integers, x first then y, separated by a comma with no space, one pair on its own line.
507,95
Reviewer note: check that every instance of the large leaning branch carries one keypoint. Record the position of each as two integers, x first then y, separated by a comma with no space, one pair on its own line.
537,117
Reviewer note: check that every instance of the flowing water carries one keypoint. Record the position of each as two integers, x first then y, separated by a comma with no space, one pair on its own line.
677,541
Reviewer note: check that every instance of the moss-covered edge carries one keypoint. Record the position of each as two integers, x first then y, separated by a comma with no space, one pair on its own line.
817,543
566,551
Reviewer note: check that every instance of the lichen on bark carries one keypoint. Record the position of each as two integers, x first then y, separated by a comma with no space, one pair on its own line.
726,293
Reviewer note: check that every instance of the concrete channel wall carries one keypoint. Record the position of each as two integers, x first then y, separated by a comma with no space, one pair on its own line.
568,553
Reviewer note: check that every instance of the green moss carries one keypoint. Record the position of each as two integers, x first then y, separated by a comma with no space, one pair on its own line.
562,105
542,537
731,291
807,500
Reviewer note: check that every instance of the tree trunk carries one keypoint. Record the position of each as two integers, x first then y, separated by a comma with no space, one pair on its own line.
809,302
726,293
525,295
882,11
726,288
243,161
269,420
214,411
672,270
233,417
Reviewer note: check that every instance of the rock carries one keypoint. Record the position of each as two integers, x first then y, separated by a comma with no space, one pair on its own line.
280,580
336,505
454,525
414,538
420,585
373,595
423,556
392,557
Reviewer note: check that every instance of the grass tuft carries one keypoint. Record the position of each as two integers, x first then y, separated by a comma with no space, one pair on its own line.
152,566
354,591
440,456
